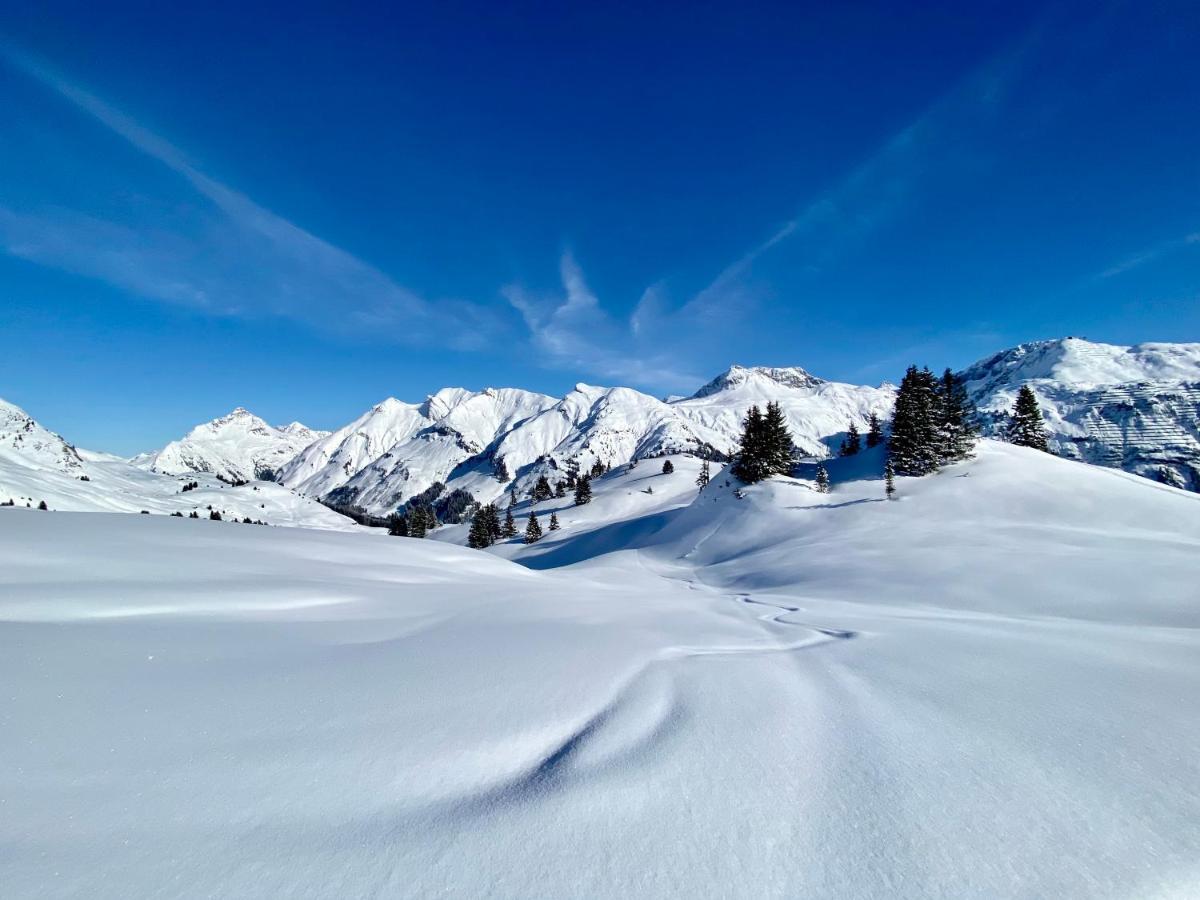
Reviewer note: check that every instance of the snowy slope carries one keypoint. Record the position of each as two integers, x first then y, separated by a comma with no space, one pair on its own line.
239,447
986,688
1134,408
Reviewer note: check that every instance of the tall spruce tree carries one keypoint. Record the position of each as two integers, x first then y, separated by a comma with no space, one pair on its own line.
874,431
480,534
533,530
705,475
915,446
853,442
668,467
554,526
583,490
822,479
778,441
416,523
560,489
398,526
1026,428
889,479
957,426
750,464
510,526
542,490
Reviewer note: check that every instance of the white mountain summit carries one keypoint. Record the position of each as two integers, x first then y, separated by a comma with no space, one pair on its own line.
237,447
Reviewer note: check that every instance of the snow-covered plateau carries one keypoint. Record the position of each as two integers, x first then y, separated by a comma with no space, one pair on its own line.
987,687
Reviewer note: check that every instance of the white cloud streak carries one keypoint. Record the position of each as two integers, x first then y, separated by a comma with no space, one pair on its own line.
1150,255
233,257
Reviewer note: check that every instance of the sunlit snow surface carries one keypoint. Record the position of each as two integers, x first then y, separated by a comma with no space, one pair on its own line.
989,687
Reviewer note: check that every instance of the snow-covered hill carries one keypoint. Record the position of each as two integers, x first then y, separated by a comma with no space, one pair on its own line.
1134,408
985,688
38,466
238,447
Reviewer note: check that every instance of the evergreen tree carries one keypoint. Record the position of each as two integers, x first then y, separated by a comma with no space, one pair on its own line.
750,465
915,446
889,479
1026,428
560,489
777,441
42,505
416,523
194,515
542,490
853,442
957,425
510,526
874,431
705,475
480,535
213,516
398,526
668,467
597,469
572,479
554,526
533,530
431,521
583,490
822,480
500,470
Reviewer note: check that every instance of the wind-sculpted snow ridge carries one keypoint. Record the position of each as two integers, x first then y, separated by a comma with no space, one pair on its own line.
1133,408
984,688
238,447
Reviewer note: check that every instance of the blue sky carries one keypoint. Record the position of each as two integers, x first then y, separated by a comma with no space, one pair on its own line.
303,209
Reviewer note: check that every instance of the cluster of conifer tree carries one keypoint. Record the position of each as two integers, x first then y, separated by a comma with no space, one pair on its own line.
485,527
766,446
933,423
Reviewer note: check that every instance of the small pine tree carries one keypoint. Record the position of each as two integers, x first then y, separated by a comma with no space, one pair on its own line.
560,489
554,526
42,505
889,480
194,515
853,442
1026,428
668,467
500,470
597,469
542,490
749,464
583,490
510,526
705,475
533,530
214,516
398,526
822,480
874,431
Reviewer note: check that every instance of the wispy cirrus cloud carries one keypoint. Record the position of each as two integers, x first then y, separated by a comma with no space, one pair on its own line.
226,254
1149,255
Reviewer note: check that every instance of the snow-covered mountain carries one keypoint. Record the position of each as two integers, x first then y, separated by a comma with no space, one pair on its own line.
1133,408
38,465
24,442
488,441
237,447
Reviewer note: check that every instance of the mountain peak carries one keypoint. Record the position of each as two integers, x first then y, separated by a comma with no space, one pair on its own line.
771,376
